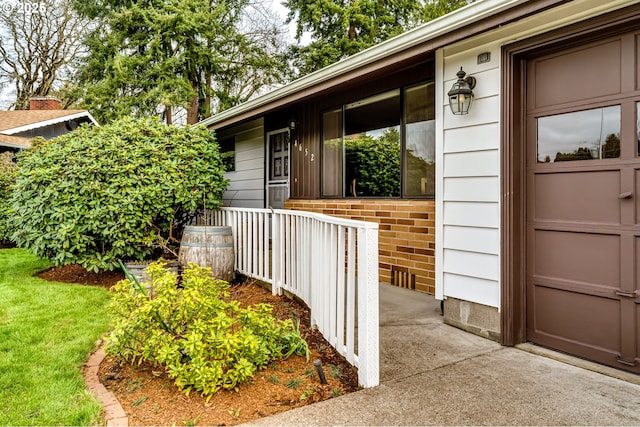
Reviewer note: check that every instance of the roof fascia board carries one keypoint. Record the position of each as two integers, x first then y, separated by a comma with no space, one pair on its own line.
49,122
436,28
11,145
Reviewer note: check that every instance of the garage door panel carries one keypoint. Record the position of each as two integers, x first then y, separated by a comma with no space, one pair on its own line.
578,196
636,196
637,57
599,68
578,257
637,329
577,318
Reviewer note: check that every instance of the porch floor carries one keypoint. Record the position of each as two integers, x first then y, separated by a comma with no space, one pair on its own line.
435,374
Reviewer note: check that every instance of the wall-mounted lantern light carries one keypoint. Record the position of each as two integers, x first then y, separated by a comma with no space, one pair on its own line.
461,93
293,124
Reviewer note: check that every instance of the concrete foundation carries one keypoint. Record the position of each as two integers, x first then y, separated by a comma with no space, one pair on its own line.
476,318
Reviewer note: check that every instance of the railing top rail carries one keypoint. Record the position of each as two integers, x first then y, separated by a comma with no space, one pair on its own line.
320,217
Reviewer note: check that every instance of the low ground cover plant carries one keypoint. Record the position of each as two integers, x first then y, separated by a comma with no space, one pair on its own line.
204,341
104,193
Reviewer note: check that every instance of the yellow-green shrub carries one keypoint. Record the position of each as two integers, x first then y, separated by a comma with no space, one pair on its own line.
204,341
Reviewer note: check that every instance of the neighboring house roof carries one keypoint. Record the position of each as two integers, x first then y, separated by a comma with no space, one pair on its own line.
14,141
24,120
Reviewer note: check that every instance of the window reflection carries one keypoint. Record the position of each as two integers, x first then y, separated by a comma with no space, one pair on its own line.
420,146
372,146
381,146
581,135
331,153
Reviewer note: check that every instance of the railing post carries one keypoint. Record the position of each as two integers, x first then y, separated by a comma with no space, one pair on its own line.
368,299
276,253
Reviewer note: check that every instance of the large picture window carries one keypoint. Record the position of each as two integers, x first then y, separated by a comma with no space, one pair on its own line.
381,146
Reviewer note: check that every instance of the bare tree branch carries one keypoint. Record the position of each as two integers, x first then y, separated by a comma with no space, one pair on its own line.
40,41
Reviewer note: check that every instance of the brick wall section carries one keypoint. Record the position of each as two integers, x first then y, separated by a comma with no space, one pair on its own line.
406,234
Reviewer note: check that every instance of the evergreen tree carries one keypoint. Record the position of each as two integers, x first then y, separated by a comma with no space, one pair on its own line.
340,28
150,57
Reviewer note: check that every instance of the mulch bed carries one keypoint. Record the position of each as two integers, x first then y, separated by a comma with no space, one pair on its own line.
150,398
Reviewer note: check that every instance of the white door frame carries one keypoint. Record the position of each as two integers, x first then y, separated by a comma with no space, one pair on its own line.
278,165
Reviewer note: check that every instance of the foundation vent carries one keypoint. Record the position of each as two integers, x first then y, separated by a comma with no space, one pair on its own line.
400,276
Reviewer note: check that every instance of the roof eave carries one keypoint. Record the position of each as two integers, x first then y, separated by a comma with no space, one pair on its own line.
11,145
450,22
40,124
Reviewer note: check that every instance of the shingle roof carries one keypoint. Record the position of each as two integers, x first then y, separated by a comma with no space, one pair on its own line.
14,141
12,120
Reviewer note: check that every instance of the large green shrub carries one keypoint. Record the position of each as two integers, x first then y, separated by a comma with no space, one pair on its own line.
7,178
99,194
204,341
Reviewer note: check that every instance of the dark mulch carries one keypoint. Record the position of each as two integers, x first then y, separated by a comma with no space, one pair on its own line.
77,274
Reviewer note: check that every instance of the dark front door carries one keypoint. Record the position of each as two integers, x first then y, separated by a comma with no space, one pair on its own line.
278,168
583,201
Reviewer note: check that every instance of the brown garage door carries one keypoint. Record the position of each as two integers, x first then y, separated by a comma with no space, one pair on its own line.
583,201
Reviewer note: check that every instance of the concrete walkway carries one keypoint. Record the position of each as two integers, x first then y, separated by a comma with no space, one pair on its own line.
434,374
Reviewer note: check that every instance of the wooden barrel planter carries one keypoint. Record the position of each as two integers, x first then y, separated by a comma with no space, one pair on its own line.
209,246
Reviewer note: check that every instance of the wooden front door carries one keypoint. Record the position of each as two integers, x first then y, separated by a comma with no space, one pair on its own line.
583,201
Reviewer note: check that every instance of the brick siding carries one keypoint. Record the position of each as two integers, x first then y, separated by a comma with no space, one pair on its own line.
406,234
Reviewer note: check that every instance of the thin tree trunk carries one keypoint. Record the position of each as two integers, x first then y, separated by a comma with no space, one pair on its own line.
192,111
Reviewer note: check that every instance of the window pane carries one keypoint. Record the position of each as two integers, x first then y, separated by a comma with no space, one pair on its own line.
420,149
372,147
332,153
228,153
582,135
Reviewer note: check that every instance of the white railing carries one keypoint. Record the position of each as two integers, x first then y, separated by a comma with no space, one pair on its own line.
329,263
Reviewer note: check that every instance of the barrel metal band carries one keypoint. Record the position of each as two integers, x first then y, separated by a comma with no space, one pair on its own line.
207,245
203,230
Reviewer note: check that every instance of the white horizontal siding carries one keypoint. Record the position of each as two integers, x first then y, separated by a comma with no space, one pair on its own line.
475,138
246,199
472,239
472,264
246,186
472,289
476,163
471,214
468,195
472,189
239,185
249,165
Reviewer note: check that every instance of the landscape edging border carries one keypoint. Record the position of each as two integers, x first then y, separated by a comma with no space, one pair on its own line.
114,415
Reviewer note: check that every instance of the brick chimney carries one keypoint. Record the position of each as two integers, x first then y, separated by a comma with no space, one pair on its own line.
45,103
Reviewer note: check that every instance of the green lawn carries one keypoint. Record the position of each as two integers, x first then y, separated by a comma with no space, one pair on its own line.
47,331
